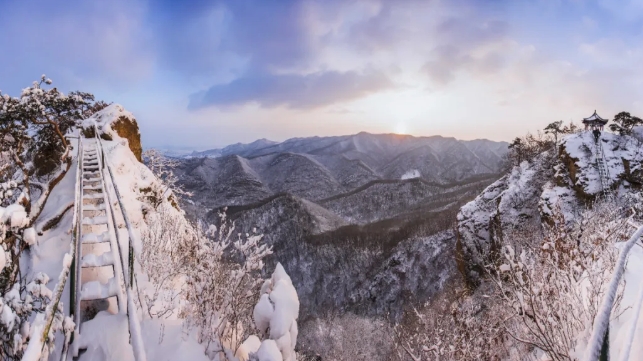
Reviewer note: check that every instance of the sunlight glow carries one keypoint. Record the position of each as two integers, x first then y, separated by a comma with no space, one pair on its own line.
400,128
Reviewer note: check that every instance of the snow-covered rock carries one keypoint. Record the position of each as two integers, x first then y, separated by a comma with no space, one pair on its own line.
623,162
278,309
533,192
114,122
510,202
269,351
29,236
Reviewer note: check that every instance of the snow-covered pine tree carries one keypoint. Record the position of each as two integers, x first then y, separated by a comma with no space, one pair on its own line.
34,156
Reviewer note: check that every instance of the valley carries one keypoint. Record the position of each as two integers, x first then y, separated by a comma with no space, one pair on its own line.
363,223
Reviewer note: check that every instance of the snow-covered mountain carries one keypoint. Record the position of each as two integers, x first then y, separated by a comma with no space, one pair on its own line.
318,168
363,223
567,182
580,199
237,148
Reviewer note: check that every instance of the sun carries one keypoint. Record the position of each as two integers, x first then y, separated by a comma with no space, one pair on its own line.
400,128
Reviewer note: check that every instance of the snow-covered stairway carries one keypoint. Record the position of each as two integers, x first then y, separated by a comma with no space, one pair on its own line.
102,258
601,167
99,271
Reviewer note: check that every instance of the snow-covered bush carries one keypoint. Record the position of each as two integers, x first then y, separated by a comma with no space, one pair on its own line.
346,336
457,326
19,299
208,276
553,288
162,167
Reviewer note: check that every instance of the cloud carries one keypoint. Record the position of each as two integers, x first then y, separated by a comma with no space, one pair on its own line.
468,42
293,90
264,34
252,50
74,42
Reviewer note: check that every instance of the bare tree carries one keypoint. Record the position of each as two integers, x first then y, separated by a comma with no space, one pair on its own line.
553,288
205,274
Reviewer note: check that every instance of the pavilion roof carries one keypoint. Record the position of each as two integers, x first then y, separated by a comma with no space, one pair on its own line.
595,119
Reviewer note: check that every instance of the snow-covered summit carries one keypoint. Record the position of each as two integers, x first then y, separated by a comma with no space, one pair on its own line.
622,159
566,179
116,123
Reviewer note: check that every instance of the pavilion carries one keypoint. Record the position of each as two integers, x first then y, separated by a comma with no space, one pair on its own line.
594,122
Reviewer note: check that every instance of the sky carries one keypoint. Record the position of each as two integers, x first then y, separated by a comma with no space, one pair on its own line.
203,74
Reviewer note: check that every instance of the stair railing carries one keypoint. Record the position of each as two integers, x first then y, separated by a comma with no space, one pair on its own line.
134,324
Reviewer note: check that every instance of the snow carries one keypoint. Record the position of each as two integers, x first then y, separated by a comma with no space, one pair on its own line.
92,260
622,326
3,258
594,117
413,173
29,236
167,340
249,346
19,219
581,149
269,351
7,316
95,290
34,349
286,303
602,317
263,313
106,338
559,198
278,307
104,119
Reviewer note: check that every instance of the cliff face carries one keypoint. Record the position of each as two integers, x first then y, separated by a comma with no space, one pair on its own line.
527,198
115,122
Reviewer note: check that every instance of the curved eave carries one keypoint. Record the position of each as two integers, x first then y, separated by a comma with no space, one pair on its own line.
595,121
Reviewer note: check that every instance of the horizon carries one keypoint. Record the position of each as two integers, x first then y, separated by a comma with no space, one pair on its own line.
223,72
187,148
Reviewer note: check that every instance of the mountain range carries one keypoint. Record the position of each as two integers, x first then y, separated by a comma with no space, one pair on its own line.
360,222
319,168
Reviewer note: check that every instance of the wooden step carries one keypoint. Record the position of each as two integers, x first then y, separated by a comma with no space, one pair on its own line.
95,290
95,238
95,220
94,207
92,260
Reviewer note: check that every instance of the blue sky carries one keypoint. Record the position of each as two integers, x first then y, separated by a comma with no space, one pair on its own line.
210,73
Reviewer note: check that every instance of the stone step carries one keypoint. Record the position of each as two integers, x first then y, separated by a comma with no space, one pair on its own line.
93,196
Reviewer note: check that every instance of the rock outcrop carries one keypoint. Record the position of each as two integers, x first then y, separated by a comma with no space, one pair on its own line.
530,195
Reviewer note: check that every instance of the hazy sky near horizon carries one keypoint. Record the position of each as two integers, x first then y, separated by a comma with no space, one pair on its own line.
210,73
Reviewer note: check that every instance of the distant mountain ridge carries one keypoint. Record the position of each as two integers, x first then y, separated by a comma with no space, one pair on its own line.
318,168
236,148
